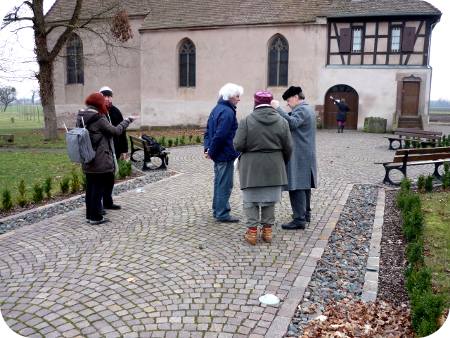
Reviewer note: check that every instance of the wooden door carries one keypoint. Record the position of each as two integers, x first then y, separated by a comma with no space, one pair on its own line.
410,98
330,110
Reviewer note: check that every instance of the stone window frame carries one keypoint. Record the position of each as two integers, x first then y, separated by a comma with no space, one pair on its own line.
74,60
278,61
187,63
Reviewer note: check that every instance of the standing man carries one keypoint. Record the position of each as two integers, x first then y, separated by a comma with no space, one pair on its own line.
302,167
120,145
341,116
218,146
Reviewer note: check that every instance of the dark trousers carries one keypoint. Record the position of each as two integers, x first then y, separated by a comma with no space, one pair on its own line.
108,190
301,205
95,189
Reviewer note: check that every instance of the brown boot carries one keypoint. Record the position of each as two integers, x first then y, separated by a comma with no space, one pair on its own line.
267,233
251,235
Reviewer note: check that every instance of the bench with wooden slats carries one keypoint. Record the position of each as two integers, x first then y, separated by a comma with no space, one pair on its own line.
418,156
424,137
151,160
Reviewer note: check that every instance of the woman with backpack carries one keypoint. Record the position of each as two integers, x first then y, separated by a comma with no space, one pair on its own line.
100,170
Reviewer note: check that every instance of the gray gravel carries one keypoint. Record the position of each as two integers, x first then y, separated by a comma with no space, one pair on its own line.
39,214
340,272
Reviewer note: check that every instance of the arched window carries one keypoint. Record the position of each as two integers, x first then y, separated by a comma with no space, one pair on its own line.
187,63
278,61
75,72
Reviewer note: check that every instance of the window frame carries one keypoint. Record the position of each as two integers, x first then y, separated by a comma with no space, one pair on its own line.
74,60
391,38
187,68
361,39
279,76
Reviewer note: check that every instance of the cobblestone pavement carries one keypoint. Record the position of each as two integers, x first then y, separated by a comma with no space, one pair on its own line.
164,268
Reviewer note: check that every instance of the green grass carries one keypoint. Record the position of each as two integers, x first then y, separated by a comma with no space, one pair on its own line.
33,167
436,236
21,117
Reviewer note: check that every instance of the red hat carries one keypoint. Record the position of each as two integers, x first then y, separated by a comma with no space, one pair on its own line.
263,97
97,100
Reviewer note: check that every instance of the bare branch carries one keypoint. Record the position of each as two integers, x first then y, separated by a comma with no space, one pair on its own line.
14,15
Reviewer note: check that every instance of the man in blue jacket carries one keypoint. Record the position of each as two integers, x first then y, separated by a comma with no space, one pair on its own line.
218,146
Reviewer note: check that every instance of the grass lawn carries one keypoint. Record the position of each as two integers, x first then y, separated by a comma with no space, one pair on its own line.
437,240
33,167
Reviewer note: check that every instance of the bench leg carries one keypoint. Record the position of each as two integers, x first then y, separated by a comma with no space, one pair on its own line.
436,171
387,179
164,161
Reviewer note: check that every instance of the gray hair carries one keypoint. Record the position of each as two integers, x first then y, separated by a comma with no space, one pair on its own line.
229,90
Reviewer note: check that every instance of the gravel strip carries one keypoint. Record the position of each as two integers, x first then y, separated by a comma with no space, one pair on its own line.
340,272
39,214
391,280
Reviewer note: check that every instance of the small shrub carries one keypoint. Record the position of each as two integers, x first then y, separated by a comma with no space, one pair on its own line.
421,183
182,140
38,193
75,183
426,308
21,199
64,185
407,144
198,139
124,168
414,252
405,184
415,144
429,183
7,203
163,141
175,143
419,281
412,224
48,187
190,138
170,142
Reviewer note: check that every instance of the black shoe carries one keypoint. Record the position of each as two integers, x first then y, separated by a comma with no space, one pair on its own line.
113,207
230,219
103,212
293,226
101,221
308,218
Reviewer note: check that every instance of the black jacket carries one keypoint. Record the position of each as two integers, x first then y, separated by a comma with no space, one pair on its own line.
120,141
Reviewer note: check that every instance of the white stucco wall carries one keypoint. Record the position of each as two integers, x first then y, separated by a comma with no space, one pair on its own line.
376,87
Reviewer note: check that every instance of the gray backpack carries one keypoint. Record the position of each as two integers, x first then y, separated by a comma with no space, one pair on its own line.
79,146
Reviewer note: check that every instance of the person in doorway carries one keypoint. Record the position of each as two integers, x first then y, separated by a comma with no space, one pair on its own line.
341,116
218,146
265,143
302,167
120,145
100,170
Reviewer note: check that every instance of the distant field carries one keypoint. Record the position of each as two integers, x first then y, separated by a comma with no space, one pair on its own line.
22,117
439,111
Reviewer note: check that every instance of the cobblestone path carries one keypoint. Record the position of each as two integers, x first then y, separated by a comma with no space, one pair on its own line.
162,266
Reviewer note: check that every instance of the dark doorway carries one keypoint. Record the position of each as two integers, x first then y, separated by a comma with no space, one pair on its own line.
410,98
351,97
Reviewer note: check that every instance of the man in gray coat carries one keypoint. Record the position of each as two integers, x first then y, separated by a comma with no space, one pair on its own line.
302,167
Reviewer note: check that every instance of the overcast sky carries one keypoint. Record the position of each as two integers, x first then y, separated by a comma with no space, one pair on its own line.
20,48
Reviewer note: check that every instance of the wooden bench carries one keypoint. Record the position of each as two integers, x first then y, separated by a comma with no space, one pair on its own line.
424,137
418,156
151,160
7,138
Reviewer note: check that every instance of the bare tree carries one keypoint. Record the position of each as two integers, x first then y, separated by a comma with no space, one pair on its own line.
7,96
45,56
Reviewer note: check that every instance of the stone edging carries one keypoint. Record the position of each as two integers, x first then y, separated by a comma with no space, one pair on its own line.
279,325
370,288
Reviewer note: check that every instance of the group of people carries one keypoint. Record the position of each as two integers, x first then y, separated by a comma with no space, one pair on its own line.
106,127
276,151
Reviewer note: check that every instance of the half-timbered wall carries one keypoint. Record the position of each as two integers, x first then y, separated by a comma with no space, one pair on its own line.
395,42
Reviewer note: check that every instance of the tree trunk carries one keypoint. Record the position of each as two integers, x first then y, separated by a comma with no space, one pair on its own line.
46,91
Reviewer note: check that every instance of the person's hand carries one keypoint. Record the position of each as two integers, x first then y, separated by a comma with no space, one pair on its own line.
131,118
275,104
206,154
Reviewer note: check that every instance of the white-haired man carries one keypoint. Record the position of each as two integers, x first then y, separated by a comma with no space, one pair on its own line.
218,146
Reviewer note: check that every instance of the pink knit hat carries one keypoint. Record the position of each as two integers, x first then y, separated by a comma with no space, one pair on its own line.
263,97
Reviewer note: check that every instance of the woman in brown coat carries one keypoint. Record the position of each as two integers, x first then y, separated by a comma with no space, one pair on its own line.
99,171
